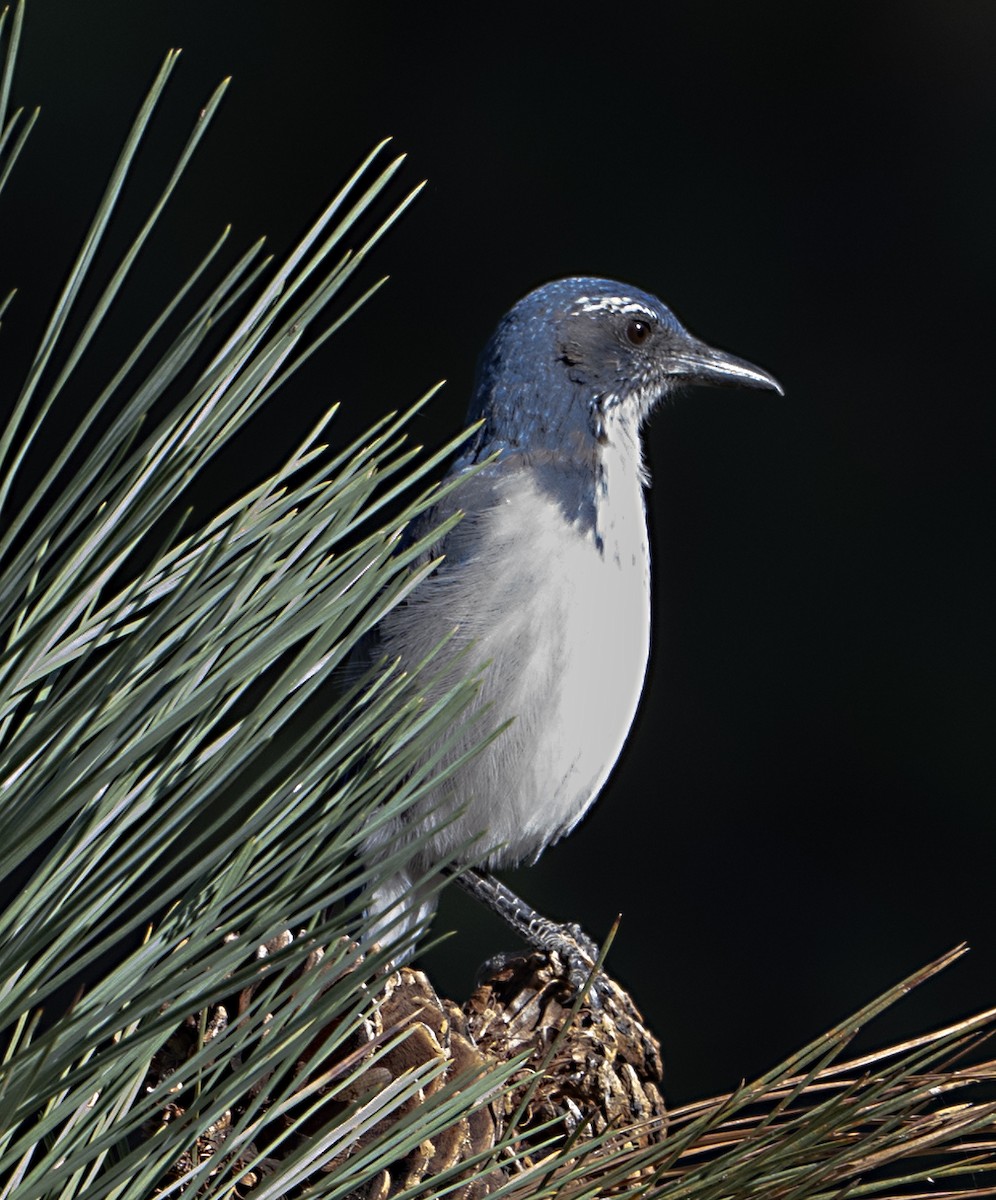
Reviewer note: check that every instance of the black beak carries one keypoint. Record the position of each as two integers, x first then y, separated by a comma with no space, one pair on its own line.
695,362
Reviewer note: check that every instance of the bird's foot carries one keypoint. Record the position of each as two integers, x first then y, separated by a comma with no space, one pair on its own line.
576,950
579,959
572,946
570,937
569,962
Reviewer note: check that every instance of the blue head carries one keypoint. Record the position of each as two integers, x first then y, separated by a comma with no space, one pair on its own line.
580,360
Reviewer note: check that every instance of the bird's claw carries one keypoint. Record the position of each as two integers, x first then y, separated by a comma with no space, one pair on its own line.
582,941
493,965
579,955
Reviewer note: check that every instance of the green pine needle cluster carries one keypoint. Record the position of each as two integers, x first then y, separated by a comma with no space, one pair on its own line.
174,764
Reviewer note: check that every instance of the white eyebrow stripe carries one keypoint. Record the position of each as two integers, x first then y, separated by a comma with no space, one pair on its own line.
618,304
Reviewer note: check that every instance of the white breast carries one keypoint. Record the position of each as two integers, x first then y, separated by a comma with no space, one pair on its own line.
565,629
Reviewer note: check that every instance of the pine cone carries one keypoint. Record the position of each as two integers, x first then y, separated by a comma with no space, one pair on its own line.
602,1070
599,1072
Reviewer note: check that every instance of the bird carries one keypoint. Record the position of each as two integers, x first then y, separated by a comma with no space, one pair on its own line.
544,588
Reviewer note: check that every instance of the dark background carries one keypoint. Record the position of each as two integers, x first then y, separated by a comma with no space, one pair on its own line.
805,811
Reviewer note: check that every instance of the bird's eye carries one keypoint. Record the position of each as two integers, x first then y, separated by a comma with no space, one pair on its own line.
638,331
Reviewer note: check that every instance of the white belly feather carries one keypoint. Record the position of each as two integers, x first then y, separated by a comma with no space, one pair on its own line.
588,622
564,628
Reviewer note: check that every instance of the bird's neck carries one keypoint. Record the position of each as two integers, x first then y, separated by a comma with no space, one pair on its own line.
620,517
597,485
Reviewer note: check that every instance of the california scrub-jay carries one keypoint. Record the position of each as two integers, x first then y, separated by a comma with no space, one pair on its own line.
546,582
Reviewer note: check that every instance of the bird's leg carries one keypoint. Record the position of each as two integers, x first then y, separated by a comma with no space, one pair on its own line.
576,950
